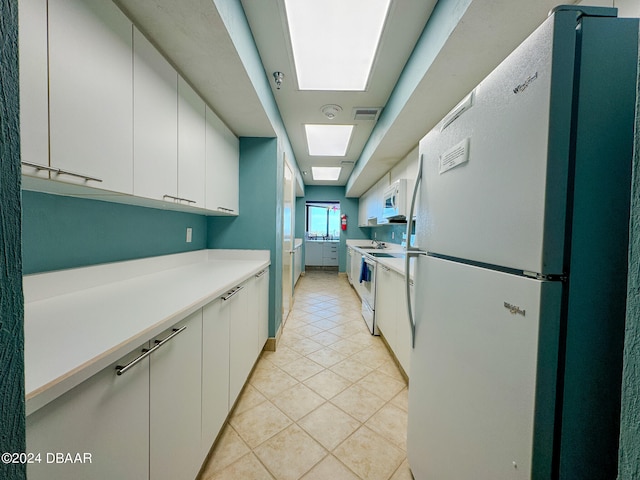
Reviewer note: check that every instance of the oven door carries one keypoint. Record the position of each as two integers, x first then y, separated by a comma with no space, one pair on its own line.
368,289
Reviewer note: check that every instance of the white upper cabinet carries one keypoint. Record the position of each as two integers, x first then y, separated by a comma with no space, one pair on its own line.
191,145
222,166
155,122
34,86
90,103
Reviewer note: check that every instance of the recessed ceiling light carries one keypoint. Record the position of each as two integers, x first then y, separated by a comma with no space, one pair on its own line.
325,173
328,140
334,42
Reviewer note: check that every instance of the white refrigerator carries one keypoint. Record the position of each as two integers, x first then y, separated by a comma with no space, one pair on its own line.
522,214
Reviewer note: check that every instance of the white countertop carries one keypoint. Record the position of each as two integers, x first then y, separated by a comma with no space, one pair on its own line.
79,321
394,263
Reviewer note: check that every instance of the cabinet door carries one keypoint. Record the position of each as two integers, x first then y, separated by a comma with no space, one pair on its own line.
356,265
403,346
386,302
34,85
106,416
262,292
91,93
222,166
313,255
175,403
215,372
191,145
242,341
155,128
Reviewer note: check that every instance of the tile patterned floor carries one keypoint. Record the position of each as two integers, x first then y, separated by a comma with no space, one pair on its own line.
330,403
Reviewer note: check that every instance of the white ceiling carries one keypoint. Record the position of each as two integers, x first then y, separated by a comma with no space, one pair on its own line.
192,35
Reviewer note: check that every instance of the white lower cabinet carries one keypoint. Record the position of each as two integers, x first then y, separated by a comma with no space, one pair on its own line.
242,338
105,417
159,418
215,372
313,254
386,305
392,316
259,308
355,266
297,264
175,402
330,254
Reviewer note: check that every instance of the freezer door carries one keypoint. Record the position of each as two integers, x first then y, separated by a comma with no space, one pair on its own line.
482,391
489,192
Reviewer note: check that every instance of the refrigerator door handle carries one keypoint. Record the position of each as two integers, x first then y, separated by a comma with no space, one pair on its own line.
411,252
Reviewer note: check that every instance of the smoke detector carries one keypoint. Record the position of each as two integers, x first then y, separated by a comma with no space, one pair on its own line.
330,111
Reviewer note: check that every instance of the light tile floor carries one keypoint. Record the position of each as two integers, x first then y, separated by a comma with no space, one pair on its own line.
330,403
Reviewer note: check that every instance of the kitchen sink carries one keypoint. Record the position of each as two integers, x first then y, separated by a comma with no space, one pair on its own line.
386,255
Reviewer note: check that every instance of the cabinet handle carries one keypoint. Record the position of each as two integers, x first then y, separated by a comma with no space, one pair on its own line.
231,293
58,171
40,167
258,275
180,199
79,175
226,209
176,331
148,351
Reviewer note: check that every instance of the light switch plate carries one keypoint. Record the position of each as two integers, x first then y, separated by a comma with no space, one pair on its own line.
189,234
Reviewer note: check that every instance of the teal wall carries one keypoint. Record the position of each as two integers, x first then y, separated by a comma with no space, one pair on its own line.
12,415
629,456
259,225
391,233
348,206
64,232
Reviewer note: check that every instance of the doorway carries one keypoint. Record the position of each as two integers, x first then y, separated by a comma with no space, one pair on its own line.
322,235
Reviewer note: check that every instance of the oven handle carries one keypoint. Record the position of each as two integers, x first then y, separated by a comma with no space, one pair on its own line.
373,263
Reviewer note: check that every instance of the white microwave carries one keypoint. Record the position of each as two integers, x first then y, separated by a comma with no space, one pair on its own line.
394,206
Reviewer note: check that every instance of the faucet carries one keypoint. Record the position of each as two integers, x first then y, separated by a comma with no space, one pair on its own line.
378,243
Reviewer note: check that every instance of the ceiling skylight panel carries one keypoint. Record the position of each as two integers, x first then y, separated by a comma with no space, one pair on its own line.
325,173
328,140
334,42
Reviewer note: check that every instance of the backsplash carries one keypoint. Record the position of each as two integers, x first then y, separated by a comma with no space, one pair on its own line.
63,232
391,233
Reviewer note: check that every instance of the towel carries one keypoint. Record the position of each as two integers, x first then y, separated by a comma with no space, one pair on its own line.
365,273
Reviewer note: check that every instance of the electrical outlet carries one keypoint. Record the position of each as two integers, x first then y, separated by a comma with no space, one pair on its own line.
393,235
375,234
189,234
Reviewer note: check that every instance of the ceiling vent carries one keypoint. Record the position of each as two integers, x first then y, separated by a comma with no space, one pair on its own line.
347,162
366,113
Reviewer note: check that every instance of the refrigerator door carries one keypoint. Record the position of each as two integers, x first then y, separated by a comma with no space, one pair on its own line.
489,193
483,374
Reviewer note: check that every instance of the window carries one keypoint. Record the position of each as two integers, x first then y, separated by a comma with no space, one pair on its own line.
323,220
